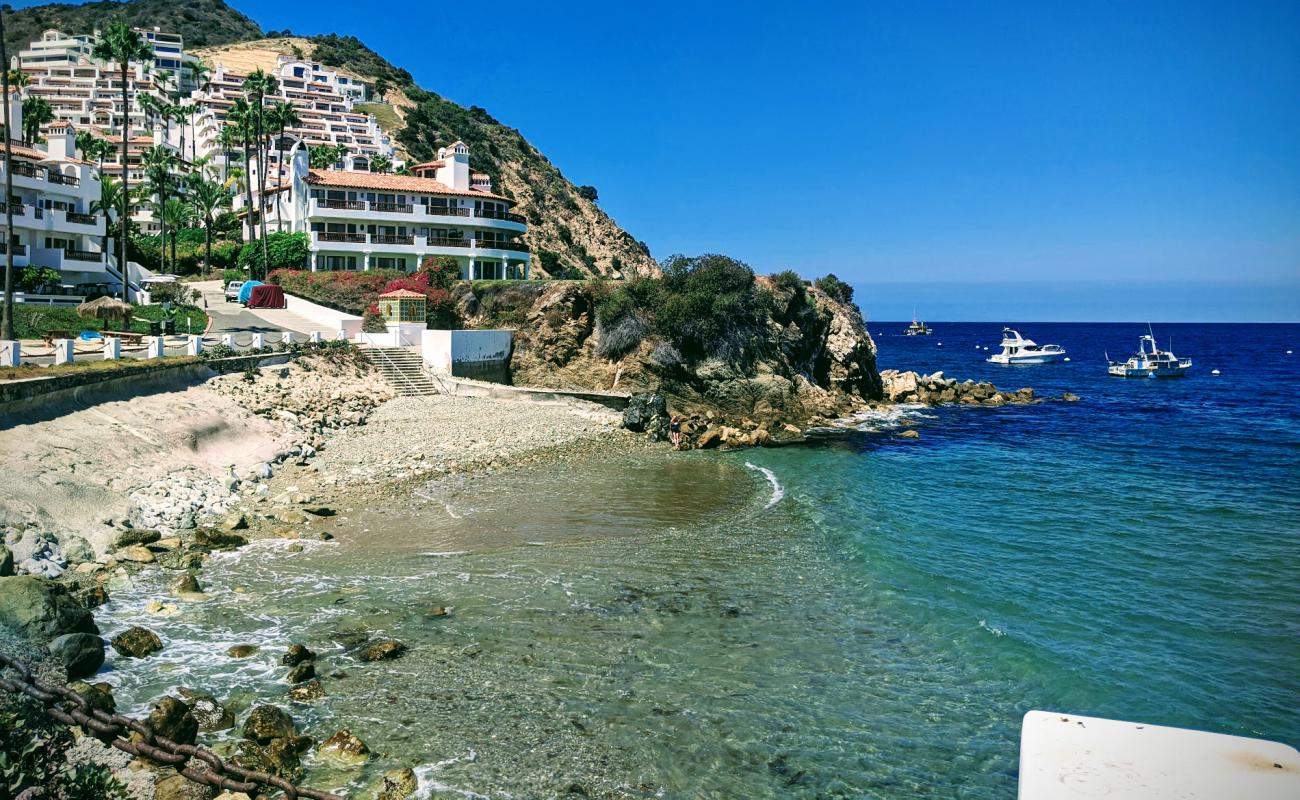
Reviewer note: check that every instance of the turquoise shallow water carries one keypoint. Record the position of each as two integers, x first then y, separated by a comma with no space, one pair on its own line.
650,626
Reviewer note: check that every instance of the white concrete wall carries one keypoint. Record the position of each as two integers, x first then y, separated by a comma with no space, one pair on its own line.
442,349
327,318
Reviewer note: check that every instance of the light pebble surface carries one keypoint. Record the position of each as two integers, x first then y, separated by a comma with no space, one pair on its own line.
413,436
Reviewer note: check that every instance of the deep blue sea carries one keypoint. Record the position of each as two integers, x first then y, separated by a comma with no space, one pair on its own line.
871,617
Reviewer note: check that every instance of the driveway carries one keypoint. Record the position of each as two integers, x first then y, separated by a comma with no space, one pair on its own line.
234,318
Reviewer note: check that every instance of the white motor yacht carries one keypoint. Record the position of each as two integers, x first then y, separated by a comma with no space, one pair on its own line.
1016,349
1153,363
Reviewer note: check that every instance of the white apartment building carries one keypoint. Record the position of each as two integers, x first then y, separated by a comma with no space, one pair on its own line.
52,223
323,100
362,220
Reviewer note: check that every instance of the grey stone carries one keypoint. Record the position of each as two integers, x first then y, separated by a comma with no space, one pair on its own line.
81,654
40,609
137,642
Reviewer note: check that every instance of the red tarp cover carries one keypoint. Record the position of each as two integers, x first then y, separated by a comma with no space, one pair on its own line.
267,295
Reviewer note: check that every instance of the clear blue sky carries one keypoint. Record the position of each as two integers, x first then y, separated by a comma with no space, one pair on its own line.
1008,160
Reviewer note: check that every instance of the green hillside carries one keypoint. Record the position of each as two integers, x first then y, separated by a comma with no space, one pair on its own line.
201,22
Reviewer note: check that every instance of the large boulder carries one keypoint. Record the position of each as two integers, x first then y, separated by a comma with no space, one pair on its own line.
647,413
179,787
171,718
265,723
6,562
40,609
278,756
295,655
211,715
81,654
137,642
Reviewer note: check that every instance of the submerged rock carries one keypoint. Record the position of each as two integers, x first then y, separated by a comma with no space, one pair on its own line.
81,654
395,784
307,692
909,434
187,584
344,749
210,714
137,642
242,650
382,650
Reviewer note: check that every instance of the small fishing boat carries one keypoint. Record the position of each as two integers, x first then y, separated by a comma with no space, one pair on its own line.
1016,349
1153,363
917,328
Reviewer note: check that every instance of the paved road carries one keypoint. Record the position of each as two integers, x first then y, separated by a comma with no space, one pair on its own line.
234,318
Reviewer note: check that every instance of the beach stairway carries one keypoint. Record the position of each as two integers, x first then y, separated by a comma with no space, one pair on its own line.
403,368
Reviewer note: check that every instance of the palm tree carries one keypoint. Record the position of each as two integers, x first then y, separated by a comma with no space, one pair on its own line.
110,199
381,163
177,214
284,115
36,112
259,84
18,78
208,198
202,77
95,149
228,138
159,162
121,45
179,113
241,115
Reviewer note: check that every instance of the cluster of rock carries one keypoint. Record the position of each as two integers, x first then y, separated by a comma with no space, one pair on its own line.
32,551
648,414
935,389
309,397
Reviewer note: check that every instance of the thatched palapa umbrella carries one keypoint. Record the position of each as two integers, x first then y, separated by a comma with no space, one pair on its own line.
107,308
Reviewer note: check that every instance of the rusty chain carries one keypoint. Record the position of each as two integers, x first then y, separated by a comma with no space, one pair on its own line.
156,748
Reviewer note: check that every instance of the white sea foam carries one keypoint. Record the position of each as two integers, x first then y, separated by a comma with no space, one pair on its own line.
446,506
427,782
778,491
445,553
991,629
885,418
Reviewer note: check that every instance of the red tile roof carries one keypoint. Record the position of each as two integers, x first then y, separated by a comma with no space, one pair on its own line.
403,293
400,183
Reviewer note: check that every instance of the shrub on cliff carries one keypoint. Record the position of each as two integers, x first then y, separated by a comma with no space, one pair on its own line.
706,306
836,288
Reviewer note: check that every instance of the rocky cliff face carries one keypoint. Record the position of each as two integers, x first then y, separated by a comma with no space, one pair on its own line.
816,361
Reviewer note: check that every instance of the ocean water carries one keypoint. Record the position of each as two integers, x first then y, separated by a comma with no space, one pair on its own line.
866,616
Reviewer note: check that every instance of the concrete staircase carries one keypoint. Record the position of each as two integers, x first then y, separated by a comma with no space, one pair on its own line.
403,368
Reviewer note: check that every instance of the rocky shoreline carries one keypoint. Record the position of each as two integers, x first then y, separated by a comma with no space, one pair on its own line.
341,442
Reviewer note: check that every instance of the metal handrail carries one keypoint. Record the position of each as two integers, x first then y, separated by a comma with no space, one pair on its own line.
375,348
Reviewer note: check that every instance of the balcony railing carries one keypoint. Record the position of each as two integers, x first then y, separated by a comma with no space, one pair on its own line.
347,205
355,238
400,208
435,242
27,170
383,238
17,209
441,211
501,245
19,249
83,255
82,219
487,213
66,180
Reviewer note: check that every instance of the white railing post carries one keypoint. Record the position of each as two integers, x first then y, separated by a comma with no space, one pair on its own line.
157,347
286,337
112,348
259,341
10,353
228,339
315,337
340,335
193,345
63,353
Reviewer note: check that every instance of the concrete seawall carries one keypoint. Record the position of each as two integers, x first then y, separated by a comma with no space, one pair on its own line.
463,387
49,396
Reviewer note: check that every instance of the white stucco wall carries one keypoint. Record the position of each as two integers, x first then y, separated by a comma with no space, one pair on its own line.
441,349
327,318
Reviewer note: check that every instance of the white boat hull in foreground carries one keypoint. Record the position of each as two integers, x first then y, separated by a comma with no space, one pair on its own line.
1018,350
